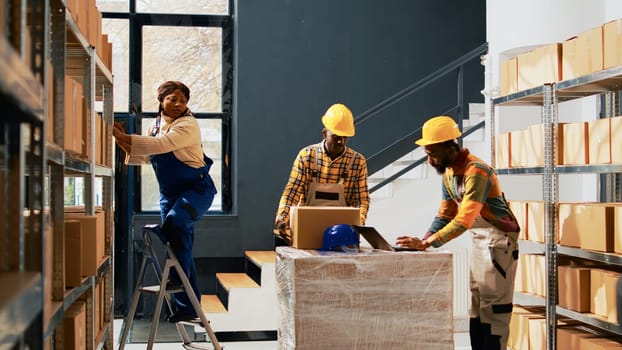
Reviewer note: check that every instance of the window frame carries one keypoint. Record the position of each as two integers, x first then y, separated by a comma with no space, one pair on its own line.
137,21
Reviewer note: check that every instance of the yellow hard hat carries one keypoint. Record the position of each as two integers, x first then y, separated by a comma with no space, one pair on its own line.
338,119
438,129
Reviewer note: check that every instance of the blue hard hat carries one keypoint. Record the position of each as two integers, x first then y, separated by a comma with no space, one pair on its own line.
340,237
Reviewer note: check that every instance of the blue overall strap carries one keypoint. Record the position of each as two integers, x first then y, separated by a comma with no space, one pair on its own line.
156,128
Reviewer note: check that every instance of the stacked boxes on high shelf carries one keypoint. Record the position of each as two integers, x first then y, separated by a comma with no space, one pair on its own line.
88,21
85,236
584,286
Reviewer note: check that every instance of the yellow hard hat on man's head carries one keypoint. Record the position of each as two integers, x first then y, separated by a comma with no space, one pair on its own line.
338,120
438,129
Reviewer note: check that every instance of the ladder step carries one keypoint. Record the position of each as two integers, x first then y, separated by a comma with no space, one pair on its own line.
235,280
156,289
260,257
211,304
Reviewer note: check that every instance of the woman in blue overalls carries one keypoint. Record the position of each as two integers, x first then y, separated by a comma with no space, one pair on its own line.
182,170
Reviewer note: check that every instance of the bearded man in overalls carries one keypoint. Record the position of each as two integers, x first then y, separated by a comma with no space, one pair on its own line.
326,174
472,200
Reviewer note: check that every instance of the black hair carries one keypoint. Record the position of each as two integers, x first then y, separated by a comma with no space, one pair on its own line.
167,88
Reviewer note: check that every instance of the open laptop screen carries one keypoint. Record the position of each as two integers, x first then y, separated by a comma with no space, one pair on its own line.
376,240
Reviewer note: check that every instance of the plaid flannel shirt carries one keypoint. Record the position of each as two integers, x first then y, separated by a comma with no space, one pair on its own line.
330,171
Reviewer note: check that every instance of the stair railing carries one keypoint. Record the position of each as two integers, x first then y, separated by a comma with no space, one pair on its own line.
418,162
374,161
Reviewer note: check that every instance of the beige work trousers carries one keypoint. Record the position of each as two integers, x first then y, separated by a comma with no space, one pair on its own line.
493,268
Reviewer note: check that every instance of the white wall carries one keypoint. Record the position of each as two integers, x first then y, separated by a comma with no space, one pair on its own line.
512,27
515,27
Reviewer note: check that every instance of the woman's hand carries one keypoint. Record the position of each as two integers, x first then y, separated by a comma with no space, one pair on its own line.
121,138
412,242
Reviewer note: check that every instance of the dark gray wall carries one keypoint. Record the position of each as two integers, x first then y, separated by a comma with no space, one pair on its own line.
297,57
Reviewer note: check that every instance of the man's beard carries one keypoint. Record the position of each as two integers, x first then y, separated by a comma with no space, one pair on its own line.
440,168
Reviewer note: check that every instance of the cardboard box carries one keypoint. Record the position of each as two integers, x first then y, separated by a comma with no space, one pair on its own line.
574,288
518,148
537,333
72,7
569,338
534,143
540,66
599,135
535,221
517,335
309,223
617,229
603,292
583,54
576,144
596,343
523,268
508,77
587,226
536,274
73,253
535,137
612,44
368,300
611,282
48,274
75,327
93,240
519,278
616,139
82,8
502,150
519,208
524,319
69,115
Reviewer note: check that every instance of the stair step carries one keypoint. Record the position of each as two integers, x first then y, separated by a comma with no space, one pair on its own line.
260,257
235,280
210,303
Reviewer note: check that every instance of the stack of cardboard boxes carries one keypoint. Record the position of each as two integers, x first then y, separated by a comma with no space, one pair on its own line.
367,300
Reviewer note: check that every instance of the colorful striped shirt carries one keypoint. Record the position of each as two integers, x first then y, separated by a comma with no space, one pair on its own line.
470,188
330,171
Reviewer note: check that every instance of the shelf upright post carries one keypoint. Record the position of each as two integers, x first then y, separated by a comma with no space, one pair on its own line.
107,201
89,96
608,189
550,195
490,131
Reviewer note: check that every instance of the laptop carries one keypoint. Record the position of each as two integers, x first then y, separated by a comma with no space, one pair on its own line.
376,240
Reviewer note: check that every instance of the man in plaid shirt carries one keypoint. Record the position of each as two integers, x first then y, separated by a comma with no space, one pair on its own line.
327,173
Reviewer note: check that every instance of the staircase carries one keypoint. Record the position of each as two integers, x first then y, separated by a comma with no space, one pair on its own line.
245,305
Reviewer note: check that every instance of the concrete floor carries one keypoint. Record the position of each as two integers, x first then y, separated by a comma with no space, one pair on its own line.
255,345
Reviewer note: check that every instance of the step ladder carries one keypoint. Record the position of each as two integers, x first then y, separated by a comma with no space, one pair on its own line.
163,294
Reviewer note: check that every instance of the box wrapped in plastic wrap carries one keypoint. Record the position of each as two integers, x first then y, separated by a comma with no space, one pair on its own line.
366,300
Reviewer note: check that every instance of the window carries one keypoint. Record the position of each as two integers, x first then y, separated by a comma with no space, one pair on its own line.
211,135
189,42
203,7
191,55
117,30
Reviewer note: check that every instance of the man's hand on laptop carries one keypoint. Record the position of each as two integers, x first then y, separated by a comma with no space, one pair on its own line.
412,242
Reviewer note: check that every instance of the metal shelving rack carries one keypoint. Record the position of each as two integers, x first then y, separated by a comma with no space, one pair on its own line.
548,96
33,169
71,45
22,159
